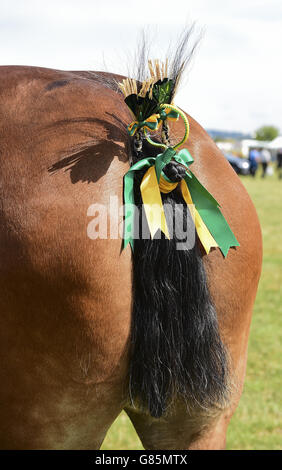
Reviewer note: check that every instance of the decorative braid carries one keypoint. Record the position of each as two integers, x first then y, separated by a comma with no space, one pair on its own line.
186,133
155,144
165,134
138,144
185,120
174,171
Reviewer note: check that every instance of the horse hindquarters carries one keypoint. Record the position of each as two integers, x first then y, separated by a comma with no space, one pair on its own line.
64,325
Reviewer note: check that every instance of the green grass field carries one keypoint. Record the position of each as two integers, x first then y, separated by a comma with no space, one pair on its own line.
257,422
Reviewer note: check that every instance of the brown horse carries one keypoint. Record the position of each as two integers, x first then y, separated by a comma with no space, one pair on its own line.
66,300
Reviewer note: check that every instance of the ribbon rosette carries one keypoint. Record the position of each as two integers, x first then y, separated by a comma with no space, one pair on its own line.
153,122
211,226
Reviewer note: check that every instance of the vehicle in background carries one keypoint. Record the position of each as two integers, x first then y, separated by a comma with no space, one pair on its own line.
240,165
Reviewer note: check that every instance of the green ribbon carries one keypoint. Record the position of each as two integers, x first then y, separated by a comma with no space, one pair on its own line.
206,205
170,115
131,129
128,192
152,125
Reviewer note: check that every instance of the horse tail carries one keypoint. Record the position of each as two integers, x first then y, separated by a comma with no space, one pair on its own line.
176,346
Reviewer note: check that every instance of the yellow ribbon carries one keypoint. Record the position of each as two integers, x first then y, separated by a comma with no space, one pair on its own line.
150,191
153,203
171,117
166,186
153,120
204,234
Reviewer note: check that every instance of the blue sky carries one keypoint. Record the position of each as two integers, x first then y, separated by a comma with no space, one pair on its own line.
234,82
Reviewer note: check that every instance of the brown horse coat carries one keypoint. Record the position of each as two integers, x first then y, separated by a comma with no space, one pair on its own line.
66,299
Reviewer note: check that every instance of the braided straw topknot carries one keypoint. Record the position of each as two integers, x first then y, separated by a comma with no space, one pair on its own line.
158,71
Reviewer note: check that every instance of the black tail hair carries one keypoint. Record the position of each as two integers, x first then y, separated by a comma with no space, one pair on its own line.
176,346
179,55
